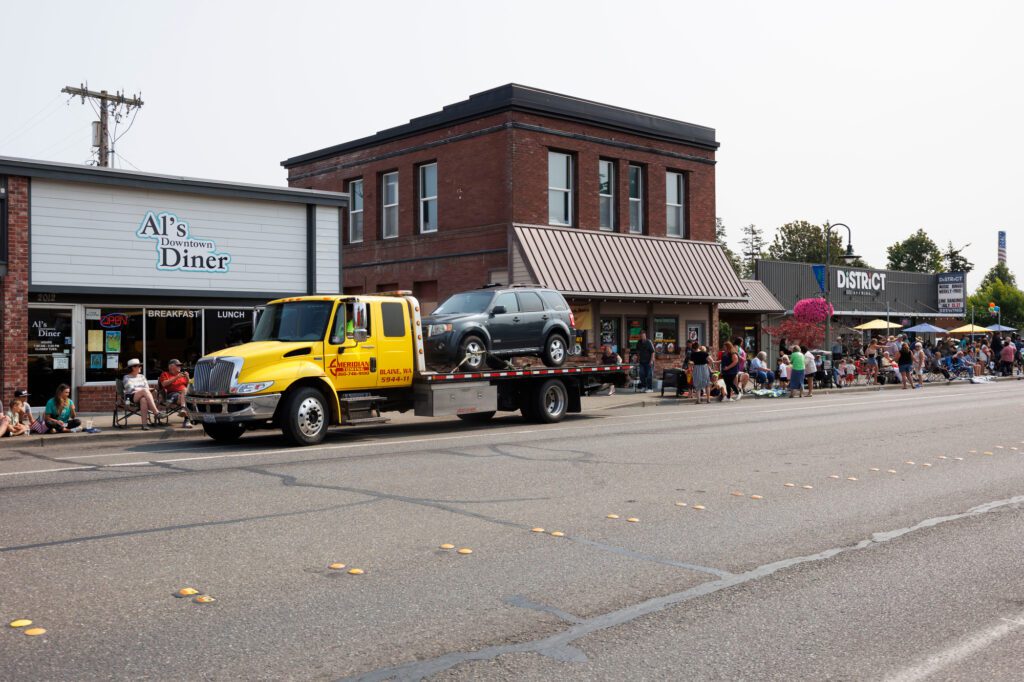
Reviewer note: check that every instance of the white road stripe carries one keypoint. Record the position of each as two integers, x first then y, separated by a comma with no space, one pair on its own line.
973,644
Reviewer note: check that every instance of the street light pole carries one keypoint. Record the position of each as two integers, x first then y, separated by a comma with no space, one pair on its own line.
848,257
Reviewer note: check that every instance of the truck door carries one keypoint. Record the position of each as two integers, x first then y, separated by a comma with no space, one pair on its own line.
395,359
351,364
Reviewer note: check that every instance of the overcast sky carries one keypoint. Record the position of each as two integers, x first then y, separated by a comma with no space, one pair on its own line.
888,116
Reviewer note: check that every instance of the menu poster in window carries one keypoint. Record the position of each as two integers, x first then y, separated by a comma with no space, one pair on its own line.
61,362
96,361
610,333
693,333
112,361
665,340
113,341
633,327
94,341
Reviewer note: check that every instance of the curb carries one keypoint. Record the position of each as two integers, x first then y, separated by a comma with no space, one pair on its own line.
158,434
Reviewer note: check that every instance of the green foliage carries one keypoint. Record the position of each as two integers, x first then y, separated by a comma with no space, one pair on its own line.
1007,296
803,242
724,332
999,272
753,248
954,260
729,253
916,253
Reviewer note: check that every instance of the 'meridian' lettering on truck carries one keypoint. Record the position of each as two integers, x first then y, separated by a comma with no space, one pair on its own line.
177,249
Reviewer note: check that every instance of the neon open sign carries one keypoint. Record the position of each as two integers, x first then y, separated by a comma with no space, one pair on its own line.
114,320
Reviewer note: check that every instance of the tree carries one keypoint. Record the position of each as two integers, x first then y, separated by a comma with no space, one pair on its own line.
802,242
954,260
729,253
796,333
999,272
916,253
753,248
1008,297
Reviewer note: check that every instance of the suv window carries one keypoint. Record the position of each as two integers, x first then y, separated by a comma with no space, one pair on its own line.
530,302
508,299
554,300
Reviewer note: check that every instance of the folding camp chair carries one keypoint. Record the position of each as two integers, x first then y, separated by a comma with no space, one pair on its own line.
123,408
166,409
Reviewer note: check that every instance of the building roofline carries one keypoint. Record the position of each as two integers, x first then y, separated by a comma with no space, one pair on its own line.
52,170
515,97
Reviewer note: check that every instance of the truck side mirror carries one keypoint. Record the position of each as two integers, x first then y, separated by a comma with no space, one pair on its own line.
498,310
360,335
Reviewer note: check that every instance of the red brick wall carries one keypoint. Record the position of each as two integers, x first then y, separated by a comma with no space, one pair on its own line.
14,292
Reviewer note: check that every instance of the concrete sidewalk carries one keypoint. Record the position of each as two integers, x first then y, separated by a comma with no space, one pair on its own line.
623,398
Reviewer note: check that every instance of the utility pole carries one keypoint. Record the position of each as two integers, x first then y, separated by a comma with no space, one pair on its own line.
108,102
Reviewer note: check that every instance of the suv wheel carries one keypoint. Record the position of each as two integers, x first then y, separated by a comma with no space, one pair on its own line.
555,351
474,350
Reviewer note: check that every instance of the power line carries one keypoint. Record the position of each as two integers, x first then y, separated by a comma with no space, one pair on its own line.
109,104
31,123
118,154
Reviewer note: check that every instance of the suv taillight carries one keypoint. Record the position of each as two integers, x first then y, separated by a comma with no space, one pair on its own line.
572,320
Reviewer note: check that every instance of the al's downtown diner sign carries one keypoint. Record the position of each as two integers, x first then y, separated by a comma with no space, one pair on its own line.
177,249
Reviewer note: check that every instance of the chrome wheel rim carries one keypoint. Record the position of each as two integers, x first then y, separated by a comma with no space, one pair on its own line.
554,401
310,417
475,353
557,349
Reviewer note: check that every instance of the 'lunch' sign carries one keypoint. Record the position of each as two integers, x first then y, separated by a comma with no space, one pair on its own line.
177,249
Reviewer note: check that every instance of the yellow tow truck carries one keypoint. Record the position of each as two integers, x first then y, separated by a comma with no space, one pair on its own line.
321,361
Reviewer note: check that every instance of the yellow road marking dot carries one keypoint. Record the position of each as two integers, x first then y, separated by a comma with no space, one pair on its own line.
873,469
908,462
633,519
612,516
446,545
959,459
680,504
756,497
187,591
355,571
1014,447
972,452
891,471
35,632
736,493
807,487
852,478
537,530
699,507
337,566
987,452
789,485
20,623
833,476
1000,447
557,534
464,550
925,464
943,457
204,599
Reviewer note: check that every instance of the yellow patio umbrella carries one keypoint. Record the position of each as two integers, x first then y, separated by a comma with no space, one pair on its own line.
969,329
877,324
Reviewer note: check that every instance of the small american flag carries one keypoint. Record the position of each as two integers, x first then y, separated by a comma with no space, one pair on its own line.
1002,246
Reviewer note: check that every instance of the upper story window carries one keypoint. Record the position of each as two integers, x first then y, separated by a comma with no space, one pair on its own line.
355,211
389,205
636,199
675,197
560,188
428,197
606,193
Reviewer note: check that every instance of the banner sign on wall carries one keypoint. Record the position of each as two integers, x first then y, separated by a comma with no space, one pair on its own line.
177,249
953,293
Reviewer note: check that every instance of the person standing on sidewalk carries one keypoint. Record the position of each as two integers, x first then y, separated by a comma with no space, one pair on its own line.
905,362
701,375
810,369
730,368
920,362
796,372
645,362
1006,357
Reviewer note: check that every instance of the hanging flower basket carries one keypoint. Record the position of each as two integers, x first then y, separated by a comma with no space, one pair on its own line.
813,310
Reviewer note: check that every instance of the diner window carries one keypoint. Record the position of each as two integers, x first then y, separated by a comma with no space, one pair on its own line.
675,192
428,197
389,205
113,337
172,334
606,193
636,199
559,188
666,335
223,328
355,211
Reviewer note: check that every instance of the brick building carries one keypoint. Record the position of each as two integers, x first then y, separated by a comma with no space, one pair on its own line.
498,188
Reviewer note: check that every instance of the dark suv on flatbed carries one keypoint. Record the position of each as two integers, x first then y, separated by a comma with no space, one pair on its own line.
487,326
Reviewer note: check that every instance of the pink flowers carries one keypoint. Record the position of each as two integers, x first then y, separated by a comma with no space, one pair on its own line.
812,310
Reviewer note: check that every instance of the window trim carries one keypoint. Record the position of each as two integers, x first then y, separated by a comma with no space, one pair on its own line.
612,167
384,207
569,191
638,229
680,207
425,199
352,211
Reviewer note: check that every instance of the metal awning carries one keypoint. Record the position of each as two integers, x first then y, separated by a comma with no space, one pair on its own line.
592,264
759,300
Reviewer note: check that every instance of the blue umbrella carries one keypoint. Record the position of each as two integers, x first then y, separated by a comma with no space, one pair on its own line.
1000,328
925,328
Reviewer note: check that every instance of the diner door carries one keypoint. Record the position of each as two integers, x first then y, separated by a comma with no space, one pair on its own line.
50,355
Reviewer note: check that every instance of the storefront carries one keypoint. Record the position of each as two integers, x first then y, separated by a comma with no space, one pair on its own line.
105,265
750,319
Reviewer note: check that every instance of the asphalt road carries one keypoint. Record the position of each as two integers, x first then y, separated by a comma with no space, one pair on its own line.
893,555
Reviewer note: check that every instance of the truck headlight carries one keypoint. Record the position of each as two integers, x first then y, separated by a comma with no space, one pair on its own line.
254,387
437,329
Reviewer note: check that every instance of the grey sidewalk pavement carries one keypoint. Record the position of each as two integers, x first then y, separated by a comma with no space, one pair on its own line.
623,398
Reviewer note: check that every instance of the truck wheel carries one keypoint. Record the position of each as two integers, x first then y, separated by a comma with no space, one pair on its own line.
555,351
552,401
476,417
224,433
305,417
476,350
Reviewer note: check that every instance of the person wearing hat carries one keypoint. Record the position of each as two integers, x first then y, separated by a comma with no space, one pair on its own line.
136,390
175,383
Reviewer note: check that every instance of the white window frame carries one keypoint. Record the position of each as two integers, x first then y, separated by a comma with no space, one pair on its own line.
567,191
384,224
638,200
610,196
353,212
677,209
424,200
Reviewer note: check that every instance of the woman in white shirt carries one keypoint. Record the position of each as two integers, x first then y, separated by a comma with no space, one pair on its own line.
136,390
810,368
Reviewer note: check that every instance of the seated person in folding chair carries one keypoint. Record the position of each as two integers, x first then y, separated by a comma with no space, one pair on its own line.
136,390
962,365
940,365
174,383
763,376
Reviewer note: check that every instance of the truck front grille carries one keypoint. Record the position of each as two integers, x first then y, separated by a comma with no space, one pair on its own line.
213,375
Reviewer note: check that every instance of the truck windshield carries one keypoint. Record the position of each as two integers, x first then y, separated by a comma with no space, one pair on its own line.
294,321
471,302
